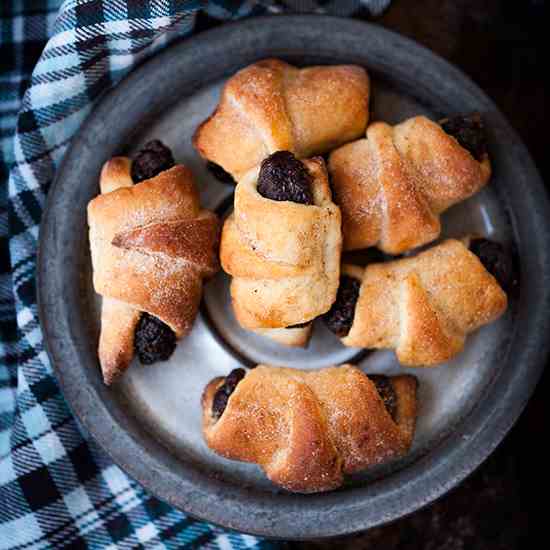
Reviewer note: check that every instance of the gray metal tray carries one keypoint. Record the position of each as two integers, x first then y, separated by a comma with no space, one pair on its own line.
150,421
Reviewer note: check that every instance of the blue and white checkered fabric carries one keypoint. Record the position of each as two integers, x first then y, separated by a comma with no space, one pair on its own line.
57,488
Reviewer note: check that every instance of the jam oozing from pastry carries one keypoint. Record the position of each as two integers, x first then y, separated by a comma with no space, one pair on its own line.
387,393
468,130
225,390
219,173
284,178
153,340
497,261
153,159
339,317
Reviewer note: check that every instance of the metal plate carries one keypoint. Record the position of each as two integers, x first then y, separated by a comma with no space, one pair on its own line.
150,421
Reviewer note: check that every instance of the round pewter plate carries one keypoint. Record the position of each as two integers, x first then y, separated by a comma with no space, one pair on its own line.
149,422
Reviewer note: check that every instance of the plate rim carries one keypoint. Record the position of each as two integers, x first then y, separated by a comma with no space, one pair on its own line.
420,483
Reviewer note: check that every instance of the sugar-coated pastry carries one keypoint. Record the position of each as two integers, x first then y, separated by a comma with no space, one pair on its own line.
151,245
393,185
422,306
272,106
306,429
282,246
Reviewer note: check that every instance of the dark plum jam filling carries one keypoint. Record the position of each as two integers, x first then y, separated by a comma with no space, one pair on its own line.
497,261
386,392
219,403
219,173
151,160
153,340
339,317
468,130
284,178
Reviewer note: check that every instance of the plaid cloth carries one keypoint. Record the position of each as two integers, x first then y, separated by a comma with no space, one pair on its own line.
57,488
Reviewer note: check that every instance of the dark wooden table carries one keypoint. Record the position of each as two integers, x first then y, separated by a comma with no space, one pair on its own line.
499,44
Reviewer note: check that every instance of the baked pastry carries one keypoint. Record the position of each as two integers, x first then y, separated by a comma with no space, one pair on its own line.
272,106
307,429
423,306
294,336
393,185
282,245
151,245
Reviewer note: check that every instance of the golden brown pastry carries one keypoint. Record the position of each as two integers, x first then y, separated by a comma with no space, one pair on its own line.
282,246
307,429
151,245
272,106
393,185
423,306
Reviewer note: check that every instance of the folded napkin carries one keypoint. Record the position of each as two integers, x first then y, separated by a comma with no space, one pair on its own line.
57,488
